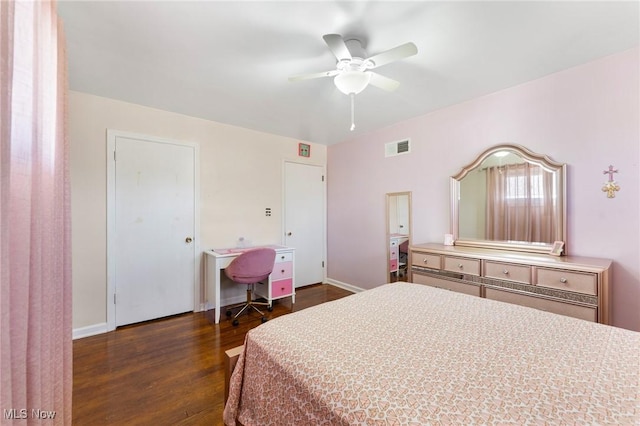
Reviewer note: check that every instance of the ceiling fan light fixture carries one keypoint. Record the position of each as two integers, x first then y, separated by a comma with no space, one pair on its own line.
349,82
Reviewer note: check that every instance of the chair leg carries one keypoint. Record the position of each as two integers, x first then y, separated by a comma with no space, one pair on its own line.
240,312
256,309
250,303
244,305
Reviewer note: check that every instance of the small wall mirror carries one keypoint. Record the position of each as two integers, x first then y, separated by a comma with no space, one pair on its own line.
509,198
398,235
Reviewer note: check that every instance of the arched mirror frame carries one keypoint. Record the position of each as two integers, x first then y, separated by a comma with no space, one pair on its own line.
531,157
389,232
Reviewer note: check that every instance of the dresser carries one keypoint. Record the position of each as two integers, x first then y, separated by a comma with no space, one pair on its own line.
569,285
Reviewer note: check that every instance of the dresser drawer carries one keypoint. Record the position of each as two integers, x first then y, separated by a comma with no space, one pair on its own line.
581,312
284,257
425,260
459,287
566,280
507,271
282,270
462,265
281,288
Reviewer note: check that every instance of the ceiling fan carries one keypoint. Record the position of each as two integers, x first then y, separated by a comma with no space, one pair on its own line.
352,73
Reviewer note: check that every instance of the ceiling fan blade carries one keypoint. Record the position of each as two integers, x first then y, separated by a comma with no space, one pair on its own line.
314,75
383,82
337,46
399,52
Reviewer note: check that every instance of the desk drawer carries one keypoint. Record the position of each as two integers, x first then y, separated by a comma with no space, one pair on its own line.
425,260
393,252
462,265
282,270
568,280
508,272
281,288
575,311
284,257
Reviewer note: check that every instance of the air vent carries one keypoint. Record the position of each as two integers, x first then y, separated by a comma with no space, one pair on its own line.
392,149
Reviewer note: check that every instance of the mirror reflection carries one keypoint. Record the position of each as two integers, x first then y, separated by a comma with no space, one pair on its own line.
511,198
398,235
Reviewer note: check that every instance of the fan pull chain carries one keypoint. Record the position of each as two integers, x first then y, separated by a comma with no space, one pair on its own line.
353,101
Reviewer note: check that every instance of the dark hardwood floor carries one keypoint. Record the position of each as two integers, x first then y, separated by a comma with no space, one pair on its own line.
168,371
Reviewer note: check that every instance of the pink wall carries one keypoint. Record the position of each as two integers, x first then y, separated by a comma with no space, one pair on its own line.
587,117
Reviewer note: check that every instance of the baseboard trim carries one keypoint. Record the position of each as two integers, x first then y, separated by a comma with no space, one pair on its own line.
232,301
344,286
90,330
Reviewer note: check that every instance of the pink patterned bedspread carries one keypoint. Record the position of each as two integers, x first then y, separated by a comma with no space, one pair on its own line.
408,354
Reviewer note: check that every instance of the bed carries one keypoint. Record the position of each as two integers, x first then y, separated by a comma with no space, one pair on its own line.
409,354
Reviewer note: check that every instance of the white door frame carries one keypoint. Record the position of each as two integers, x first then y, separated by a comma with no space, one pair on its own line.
324,213
112,135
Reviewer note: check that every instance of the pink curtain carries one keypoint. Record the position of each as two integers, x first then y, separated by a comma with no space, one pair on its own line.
35,269
520,204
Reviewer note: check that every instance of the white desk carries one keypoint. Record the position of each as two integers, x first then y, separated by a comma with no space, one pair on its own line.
395,266
280,284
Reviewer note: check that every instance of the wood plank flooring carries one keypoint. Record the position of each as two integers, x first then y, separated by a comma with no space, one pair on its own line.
168,371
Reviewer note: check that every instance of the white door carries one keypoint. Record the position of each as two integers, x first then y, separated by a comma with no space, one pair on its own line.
154,229
403,214
304,220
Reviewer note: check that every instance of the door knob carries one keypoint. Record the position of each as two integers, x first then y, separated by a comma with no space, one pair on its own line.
188,240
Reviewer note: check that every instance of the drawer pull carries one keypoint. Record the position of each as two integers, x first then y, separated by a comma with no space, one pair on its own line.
282,270
425,260
506,272
460,265
563,280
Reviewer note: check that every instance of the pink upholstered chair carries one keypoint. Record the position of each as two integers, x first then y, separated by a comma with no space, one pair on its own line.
251,267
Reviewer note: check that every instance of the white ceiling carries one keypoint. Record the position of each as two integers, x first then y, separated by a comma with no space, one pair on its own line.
229,61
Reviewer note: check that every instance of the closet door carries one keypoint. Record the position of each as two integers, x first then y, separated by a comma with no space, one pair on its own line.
304,220
152,228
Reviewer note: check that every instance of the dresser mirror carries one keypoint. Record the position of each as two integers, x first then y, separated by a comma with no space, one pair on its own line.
398,235
509,198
